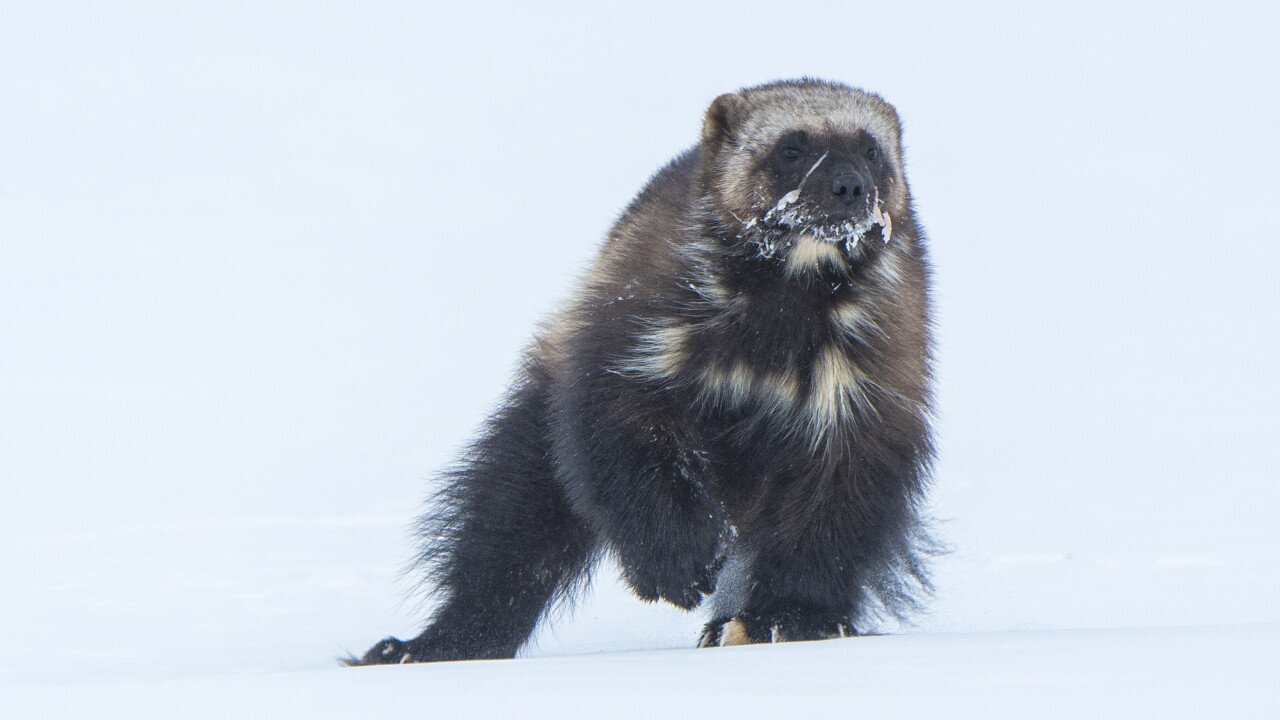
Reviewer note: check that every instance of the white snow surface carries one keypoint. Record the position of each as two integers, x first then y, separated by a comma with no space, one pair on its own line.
265,266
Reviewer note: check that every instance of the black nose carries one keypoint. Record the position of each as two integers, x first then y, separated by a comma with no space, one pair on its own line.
847,187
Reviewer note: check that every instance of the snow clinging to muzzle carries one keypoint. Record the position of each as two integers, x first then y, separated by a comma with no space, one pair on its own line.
791,217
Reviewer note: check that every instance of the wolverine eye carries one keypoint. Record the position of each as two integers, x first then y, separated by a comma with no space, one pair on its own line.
790,153
873,153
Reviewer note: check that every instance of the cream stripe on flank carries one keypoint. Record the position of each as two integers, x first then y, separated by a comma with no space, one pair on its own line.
776,392
661,352
855,318
837,389
732,385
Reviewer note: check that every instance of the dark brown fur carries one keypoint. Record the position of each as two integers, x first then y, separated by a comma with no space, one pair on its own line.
740,391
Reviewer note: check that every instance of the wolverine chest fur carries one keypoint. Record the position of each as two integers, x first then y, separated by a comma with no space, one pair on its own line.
764,359
787,387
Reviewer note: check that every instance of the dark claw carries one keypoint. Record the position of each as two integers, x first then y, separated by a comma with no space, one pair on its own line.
712,632
391,651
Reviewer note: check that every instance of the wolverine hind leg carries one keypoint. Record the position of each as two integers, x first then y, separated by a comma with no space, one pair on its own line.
500,543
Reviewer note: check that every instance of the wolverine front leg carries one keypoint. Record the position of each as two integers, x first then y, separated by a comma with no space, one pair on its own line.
828,545
804,576
790,597
671,542
633,467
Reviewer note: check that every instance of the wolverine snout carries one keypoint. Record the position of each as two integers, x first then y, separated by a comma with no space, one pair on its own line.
845,190
847,187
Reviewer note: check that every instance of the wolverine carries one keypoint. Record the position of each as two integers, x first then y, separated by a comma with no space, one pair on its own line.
735,404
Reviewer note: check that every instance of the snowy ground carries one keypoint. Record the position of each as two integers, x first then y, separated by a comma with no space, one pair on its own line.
1171,673
264,266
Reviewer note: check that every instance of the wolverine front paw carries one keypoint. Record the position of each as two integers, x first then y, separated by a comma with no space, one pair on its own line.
682,572
750,628
391,651
683,585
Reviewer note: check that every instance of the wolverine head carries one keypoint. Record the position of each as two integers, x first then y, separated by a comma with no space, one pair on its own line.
804,167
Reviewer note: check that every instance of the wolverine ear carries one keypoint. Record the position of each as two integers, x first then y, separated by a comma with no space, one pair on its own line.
723,118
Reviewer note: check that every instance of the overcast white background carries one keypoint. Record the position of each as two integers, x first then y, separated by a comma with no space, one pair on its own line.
264,267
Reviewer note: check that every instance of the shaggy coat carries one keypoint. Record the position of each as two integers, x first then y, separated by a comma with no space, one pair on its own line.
739,392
